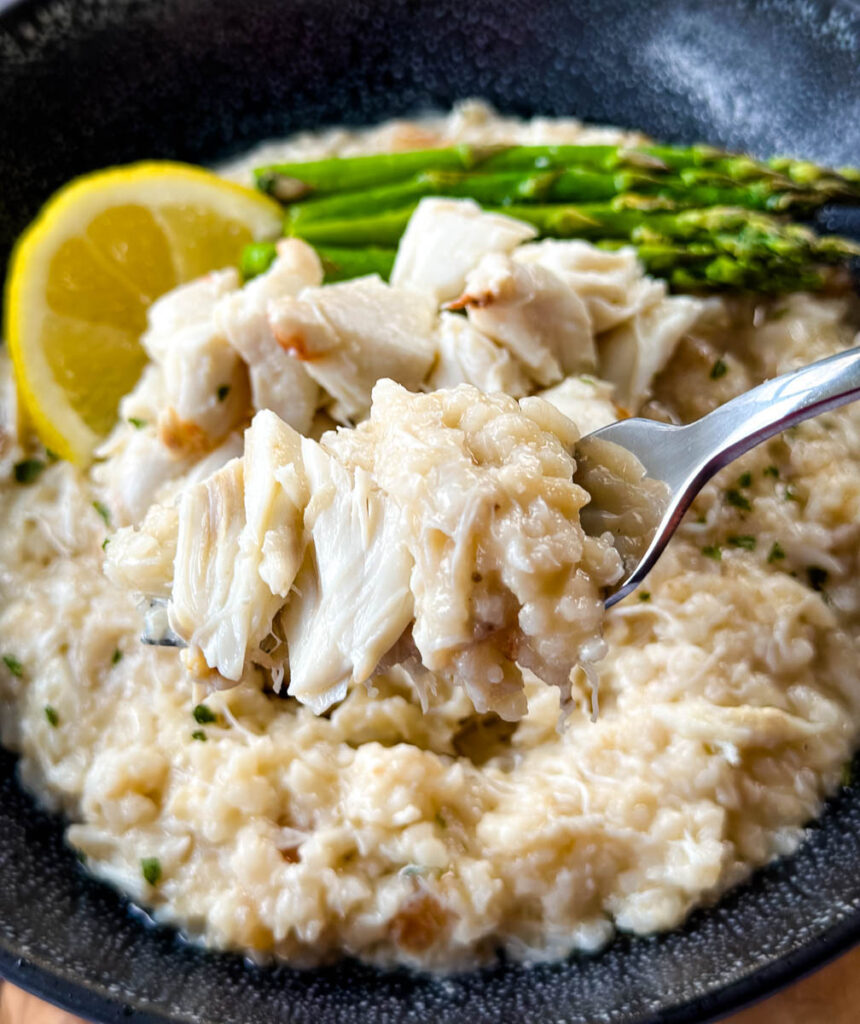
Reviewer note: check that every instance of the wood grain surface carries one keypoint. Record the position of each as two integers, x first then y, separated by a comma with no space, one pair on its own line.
832,996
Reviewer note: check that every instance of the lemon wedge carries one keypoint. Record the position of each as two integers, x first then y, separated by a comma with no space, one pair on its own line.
83,275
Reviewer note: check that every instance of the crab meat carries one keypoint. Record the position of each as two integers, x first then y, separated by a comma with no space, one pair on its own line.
632,354
504,575
189,305
613,285
445,239
466,356
533,313
277,382
586,401
352,600
349,335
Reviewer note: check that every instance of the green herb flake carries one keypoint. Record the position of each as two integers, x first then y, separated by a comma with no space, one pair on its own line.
136,422
738,500
204,715
770,471
116,657
52,715
105,543
745,541
102,511
817,577
199,734
719,369
790,494
712,551
150,868
222,392
644,595
776,553
14,666
28,470
745,480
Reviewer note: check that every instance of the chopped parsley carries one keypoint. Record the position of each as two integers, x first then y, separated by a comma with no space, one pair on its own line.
204,715
745,540
14,666
199,734
738,500
790,494
105,543
150,868
52,715
644,595
776,552
136,422
817,577
770,471
719,369
116,657
712,551
745,480
28,470
222,392
102,511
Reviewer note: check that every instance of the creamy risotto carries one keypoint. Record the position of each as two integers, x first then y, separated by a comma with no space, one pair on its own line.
419,781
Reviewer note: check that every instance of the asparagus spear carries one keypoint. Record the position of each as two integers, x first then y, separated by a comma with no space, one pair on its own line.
728,229
692,267
343,264
256,258
338,264
573,184
381,229
291,182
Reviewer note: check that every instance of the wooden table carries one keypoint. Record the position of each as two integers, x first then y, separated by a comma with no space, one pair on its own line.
832,996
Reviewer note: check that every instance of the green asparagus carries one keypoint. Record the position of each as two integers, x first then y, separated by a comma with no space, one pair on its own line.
343,264
729,229
575,184
698,216
292,182
256,258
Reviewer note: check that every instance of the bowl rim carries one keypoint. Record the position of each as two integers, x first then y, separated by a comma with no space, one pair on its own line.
89,1003
39,978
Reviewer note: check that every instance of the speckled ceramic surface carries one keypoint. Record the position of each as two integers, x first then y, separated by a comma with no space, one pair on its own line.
94,82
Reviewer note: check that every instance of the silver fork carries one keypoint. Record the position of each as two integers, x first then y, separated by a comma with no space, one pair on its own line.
642,475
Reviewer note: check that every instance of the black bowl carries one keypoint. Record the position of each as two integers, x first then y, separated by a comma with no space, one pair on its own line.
92,83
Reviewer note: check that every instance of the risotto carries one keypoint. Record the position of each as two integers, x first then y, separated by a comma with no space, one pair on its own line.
422,808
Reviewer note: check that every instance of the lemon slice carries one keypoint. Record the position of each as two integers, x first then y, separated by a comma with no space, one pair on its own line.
84,273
